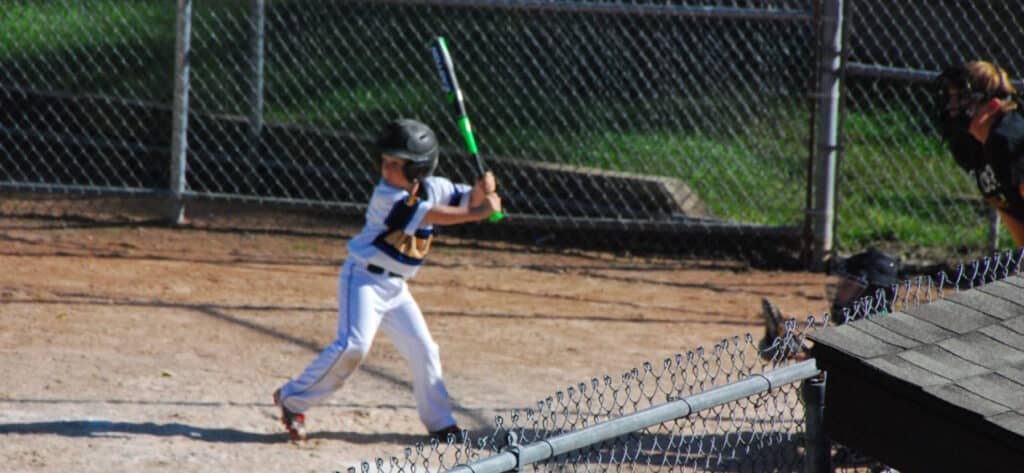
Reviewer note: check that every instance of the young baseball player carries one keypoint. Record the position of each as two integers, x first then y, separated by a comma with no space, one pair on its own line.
372,290
980,119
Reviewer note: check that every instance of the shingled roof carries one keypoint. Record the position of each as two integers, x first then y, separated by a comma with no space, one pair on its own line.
936,387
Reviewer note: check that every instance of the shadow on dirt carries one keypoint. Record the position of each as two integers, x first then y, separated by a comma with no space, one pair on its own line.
107,429
714,318
217,312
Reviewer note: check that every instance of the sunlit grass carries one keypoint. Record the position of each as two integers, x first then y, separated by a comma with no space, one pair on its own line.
38,27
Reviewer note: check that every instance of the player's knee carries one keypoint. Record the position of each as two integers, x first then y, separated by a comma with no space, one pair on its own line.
354,355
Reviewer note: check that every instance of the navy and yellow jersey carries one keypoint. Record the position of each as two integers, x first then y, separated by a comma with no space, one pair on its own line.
998,165
395,237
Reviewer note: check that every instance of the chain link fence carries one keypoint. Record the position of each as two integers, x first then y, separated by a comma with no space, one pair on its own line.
763,432
683,126
85,99
684,121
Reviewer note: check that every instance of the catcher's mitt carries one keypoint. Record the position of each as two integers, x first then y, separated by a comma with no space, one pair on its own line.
779,341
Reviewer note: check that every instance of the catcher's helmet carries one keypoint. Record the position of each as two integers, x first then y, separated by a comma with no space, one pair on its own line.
412,141
960,87
872,267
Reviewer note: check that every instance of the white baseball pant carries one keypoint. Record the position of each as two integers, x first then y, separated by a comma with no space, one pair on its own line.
366,302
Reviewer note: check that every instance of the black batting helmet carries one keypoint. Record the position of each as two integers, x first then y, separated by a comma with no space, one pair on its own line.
411,141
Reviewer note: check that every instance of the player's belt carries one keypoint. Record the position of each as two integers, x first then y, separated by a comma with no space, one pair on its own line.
379,270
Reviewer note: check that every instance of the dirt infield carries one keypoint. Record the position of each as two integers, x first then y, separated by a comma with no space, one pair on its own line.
132,346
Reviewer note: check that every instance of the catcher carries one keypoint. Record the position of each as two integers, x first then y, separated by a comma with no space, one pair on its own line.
978,116
372,290
870,273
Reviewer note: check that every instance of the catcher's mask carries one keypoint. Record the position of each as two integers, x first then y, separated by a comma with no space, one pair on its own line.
865,274
957,93
411,141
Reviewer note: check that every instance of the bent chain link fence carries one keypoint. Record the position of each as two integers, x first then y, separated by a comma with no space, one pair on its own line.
680,119
763,432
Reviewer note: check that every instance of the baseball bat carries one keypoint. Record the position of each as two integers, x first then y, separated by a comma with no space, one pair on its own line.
450,85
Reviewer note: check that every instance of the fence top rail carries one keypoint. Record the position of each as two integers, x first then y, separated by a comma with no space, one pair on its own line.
693,11
519,456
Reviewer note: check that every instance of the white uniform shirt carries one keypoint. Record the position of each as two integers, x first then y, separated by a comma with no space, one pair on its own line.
395,237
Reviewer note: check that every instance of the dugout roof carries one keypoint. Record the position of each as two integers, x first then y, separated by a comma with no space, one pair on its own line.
937,387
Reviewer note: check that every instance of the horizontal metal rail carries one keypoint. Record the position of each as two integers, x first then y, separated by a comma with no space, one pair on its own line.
731,13
889,72
542,450
900,73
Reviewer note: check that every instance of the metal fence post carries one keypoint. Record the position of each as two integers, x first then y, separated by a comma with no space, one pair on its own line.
179,133
256,49
818,448
993,230
827,139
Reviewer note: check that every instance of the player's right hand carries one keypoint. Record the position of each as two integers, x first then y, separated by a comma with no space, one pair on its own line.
486,183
